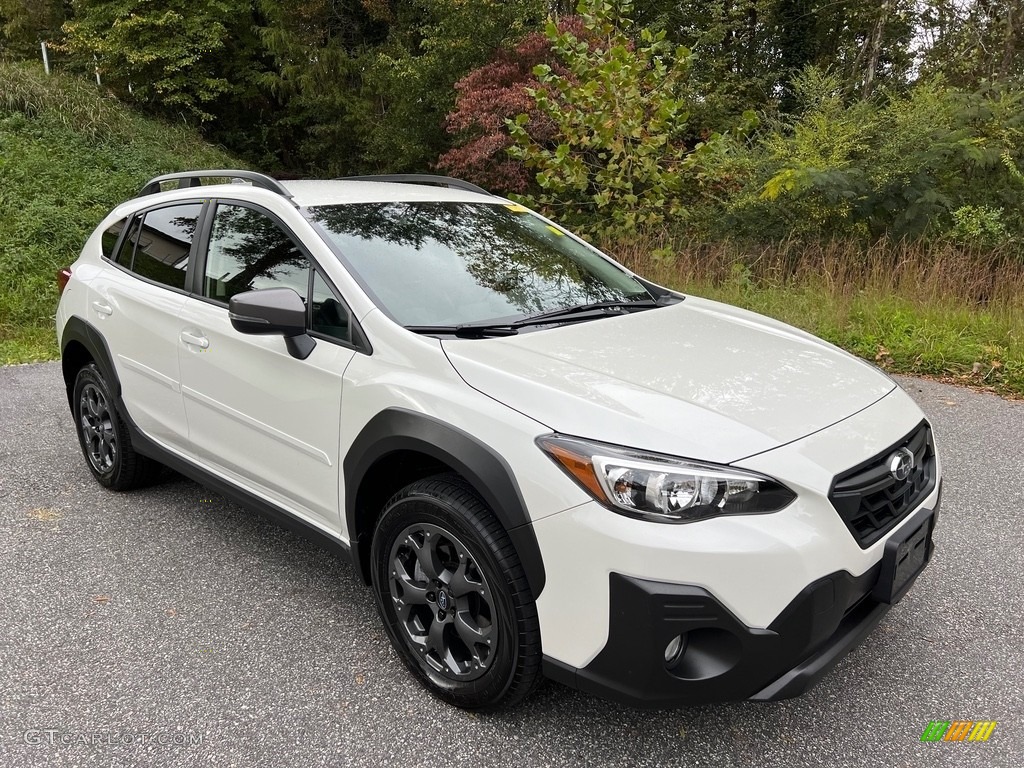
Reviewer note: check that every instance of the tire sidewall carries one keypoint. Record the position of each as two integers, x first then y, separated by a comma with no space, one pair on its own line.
90,374
414,508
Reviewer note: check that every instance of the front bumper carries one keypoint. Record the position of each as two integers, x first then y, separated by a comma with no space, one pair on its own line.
722,659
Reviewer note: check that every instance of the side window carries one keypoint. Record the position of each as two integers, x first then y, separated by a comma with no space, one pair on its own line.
249,251
127,252
164,244
109,238
329,316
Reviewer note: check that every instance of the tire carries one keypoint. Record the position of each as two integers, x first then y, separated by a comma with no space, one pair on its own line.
103,435
453,596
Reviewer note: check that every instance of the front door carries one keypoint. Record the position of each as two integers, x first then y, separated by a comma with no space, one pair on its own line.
257,415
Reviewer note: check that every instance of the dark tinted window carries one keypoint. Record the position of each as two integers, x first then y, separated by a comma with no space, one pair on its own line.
446,263
249,251
127,251
330,317
109,238
164,244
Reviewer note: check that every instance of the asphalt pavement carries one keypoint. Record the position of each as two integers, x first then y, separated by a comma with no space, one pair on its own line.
169,627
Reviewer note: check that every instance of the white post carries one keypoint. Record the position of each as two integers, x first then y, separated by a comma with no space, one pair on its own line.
96,63
46,59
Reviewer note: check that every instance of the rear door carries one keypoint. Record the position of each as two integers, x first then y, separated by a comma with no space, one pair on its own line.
257,415
134,303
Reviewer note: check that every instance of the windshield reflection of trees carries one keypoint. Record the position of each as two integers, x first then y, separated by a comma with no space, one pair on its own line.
511,253
256,245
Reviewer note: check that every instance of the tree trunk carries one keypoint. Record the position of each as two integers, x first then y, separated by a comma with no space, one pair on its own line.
1014,18
875,48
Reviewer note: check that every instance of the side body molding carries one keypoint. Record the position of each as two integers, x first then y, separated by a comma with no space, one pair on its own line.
396,430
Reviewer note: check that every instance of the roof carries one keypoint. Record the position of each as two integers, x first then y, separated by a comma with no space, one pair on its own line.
341,191
402,187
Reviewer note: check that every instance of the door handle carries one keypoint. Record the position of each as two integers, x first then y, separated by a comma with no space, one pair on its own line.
103,308
195,339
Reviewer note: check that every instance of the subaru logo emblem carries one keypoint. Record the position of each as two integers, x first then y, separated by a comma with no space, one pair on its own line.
900,464
442,601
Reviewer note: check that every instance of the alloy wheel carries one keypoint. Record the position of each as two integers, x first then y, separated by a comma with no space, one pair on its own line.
97,427
444,606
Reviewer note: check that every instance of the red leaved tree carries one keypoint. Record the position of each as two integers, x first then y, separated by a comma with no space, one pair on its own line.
492,94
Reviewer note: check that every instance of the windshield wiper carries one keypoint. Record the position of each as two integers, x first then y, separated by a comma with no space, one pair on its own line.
578,313
597,306
467,331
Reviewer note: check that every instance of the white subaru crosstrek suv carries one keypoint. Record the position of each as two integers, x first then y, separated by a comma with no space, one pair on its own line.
541,462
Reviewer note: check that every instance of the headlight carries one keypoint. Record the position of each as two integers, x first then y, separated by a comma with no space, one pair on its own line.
662,488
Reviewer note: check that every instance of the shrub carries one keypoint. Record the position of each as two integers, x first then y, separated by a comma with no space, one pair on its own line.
488,98
616,162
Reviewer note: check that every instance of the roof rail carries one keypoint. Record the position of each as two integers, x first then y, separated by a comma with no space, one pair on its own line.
422,178
195,179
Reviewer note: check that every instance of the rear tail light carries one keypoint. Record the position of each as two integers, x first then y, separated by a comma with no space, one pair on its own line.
62,279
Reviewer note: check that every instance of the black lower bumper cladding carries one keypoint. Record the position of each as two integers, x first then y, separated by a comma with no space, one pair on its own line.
718,658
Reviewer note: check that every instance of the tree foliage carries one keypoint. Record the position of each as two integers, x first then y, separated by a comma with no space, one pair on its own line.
970,42
491,96
166,55
876,116
26,23
366,84
615,161
927,162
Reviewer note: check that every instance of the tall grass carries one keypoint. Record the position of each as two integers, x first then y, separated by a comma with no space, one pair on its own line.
74,103
934,308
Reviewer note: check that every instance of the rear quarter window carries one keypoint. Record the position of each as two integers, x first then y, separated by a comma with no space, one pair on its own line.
108,242
157,245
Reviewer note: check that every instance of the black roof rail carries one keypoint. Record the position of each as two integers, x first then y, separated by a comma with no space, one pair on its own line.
422,178
195,179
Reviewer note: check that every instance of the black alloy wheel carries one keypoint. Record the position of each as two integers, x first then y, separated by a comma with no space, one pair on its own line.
442,601
96,423
453,595
104,437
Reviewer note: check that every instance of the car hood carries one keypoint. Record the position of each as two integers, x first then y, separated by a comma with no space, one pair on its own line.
696,379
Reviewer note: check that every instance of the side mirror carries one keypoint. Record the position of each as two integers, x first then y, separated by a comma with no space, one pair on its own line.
273,312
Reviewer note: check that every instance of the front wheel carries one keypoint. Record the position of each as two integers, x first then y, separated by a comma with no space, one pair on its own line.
453,595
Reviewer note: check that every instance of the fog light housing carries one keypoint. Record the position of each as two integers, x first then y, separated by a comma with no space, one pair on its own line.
674,651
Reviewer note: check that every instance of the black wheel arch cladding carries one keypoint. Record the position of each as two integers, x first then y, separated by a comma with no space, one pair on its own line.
79,331
396,430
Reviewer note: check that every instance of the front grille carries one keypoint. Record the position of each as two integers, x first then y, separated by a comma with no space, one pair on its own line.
871,501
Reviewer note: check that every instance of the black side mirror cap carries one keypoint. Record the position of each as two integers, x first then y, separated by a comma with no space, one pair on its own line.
272,312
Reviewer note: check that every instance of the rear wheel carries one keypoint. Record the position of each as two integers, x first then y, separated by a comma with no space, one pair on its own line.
104,437
453,596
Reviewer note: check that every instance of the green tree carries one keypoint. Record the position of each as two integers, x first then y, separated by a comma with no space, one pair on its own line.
616,163
314,76
164,55
26,23
969,43
368,83
931,161
409,81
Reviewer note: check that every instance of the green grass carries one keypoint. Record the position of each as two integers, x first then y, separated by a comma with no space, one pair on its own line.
68,154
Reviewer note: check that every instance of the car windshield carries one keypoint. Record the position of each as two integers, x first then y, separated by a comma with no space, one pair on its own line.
452,263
